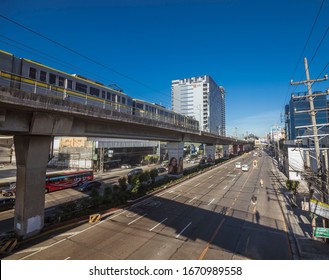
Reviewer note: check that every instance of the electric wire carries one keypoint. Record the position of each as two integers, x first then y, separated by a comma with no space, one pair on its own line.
86,57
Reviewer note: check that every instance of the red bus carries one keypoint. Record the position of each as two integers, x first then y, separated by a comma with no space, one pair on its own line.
67,179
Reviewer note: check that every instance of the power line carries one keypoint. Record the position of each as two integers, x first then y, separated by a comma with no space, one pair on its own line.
79,54
304,48
85,57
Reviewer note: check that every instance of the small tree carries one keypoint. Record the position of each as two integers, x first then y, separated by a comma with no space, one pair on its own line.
153,174
144,177
123,183
292,186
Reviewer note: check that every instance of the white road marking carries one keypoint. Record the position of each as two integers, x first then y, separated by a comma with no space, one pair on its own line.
197,185
211,201
178,235
67,234
210,186
137,219
225,187
177,196
193,199
117,215
210,177
158,224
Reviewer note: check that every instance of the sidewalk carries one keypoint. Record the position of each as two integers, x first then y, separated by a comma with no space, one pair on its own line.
299,224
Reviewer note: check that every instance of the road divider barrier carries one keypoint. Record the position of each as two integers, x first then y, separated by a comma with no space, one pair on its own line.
94,218
7,245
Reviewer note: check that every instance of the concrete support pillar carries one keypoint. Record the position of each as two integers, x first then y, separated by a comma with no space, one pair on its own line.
226,150
31,159
210,152
235,149
175,152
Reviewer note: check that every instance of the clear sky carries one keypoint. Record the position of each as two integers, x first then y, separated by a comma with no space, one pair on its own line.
253,48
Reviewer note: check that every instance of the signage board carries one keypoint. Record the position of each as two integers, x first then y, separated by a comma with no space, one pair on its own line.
319,208
321,232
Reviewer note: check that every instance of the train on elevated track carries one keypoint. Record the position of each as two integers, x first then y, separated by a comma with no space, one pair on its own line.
31,76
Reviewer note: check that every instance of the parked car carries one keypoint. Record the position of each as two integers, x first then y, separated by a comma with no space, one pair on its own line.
165,163
125,166
238,164
9,190
89,185
245,167
161,169
7,203
135,171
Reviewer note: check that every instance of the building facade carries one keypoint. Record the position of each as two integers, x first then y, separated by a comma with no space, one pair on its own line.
200,97
297,118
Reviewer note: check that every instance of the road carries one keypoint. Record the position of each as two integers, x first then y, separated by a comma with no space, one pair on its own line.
210,216
57,198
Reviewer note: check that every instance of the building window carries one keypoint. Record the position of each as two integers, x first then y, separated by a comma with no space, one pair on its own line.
33,73
81,87
123,100
69,84
43,76
103,94
52,79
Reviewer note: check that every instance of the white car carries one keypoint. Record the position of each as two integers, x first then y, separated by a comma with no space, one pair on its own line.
238,164
245,167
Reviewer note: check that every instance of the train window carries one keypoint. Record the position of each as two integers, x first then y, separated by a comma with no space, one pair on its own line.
139,106
33,73
103,94
94,91
81,87
61,81
69,84
43,76
123,100
52,79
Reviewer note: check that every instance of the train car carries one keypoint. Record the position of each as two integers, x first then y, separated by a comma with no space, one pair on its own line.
159,112
31,76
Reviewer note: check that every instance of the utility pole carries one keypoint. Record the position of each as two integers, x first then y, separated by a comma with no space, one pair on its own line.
308,82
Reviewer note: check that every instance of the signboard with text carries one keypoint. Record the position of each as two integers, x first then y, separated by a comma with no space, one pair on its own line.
319,208
321,232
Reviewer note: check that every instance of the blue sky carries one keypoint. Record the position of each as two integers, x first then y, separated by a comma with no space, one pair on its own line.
252,48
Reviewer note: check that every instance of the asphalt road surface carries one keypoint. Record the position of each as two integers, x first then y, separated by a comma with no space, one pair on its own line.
211,216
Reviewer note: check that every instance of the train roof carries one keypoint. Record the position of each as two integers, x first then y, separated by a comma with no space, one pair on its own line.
76,76
154,104
7,53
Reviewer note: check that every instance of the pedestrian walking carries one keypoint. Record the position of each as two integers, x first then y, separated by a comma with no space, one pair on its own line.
261,182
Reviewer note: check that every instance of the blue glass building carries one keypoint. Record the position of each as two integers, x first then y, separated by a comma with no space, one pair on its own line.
295,119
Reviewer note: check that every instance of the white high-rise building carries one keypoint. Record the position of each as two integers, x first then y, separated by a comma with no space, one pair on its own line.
200,97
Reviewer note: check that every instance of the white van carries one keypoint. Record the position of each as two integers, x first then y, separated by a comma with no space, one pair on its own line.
238,164
245,167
